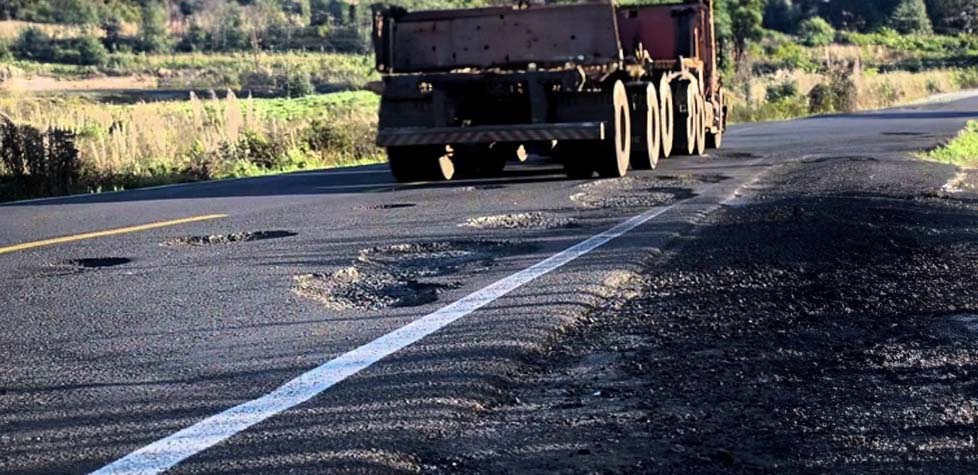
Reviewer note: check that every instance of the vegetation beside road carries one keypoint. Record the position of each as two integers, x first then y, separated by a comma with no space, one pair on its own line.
961,151
128,146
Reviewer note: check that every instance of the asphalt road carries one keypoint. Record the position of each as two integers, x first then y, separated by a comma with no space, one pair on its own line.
112,343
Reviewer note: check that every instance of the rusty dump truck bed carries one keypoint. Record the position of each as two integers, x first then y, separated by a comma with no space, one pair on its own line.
501,37
465,90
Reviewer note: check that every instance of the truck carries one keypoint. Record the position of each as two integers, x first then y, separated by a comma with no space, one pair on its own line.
600,87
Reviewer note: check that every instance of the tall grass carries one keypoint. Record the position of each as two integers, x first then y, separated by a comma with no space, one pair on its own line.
873,90
124,146
258,71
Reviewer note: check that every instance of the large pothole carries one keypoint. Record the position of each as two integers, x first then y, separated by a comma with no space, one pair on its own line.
231,238
71,266
530,220
639,192
400,275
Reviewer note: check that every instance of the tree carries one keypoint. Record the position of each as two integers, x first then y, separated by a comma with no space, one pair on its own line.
112,26
746,18
781,15
815,31
154,36
953,16
910,16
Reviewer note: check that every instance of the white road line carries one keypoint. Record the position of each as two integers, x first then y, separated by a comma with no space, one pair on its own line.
167,452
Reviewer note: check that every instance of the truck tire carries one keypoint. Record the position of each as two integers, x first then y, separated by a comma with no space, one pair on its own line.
483,160
576,159
715,139
614,152
668,119
701,114
684,115
648,119
420,163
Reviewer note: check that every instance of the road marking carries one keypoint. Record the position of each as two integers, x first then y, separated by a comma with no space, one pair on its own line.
108,232
165,453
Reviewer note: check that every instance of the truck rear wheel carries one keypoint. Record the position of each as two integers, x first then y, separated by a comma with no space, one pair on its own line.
614,152
666,112
684,115
577,160
420,163
715,139
647,118
700,122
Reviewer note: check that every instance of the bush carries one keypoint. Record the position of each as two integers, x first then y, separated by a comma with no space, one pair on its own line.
967,78
5,52
34,44
815,31
299,84
90,51
785,90
839,94
789,55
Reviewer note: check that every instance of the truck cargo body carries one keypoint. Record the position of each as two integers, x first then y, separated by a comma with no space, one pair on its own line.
464,90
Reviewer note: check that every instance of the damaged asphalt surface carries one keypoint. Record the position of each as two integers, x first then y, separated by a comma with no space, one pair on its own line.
807,303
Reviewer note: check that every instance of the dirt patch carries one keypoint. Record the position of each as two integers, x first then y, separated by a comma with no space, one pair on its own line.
637,192
400,275
531,220
49,84
229,238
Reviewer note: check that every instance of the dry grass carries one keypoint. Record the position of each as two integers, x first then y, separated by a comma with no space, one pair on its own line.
874,90
149,143
11,29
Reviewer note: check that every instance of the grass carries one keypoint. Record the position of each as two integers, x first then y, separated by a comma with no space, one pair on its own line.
261,72
873,90
961,151
129,146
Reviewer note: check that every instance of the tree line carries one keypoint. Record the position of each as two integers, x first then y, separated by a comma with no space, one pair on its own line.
339,26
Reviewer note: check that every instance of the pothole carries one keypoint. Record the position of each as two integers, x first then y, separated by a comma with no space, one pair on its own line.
531,220
394,206
846,158
903,134
99,262
637,192
70,267
738,155
213,239
400,275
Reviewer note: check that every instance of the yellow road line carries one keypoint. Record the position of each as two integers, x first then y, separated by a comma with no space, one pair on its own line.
108,232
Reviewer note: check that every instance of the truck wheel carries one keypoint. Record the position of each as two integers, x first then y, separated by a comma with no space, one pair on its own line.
684,115
614,152
667,118
420,163
649,120
576,159
482,160
700,125
715,139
